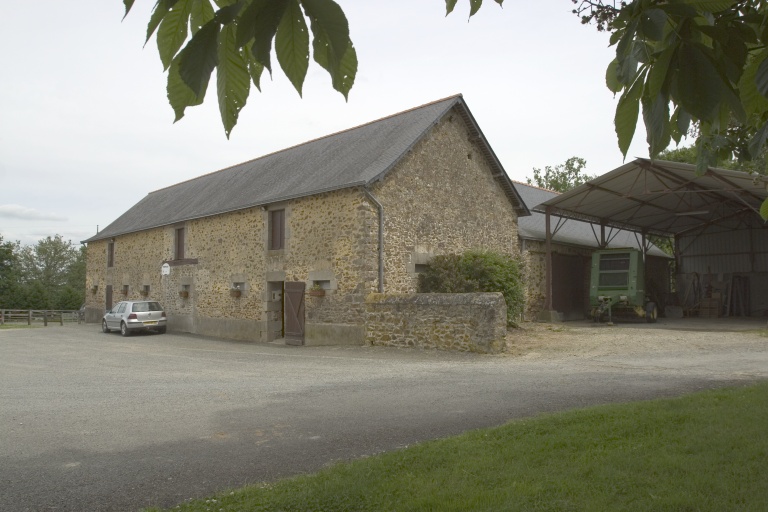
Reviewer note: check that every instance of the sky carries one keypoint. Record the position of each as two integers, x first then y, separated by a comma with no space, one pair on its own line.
86,131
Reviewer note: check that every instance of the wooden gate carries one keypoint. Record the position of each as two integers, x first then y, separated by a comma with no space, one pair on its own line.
294,313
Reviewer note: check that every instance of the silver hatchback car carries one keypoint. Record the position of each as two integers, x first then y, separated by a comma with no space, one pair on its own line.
135,315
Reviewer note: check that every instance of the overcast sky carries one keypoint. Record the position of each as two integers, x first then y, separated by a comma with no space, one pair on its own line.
86,131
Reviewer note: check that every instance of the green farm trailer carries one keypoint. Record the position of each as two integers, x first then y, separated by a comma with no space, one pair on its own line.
617,286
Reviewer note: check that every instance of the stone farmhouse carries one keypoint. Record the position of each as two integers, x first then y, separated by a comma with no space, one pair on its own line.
291,244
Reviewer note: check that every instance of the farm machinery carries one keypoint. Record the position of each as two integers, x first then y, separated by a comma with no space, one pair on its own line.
617,286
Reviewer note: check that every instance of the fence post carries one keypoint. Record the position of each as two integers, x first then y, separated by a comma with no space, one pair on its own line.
29,317
45,317
2,316
61,317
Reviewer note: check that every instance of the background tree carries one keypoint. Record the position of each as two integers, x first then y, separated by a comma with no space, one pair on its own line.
10,272
51,275
563,177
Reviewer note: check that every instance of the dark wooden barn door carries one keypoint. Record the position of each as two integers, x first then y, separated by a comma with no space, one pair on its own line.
569,286
108,303
294,313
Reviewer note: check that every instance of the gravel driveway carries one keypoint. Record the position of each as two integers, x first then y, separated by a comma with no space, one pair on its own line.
92,421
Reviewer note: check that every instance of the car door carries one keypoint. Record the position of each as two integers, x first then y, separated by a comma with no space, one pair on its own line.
113,317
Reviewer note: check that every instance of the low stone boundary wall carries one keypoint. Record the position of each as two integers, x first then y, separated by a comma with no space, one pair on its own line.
470,322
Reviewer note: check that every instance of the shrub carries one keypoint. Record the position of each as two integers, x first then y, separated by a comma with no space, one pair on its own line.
477,271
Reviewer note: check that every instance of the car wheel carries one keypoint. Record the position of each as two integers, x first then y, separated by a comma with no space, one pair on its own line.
124,329
651,312
104,327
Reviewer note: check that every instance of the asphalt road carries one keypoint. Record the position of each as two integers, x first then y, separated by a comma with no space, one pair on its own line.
92,421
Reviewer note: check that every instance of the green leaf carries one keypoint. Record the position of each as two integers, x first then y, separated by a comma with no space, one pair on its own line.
202,13
232,77
711,5
611,79
265,25
474,6
332,48
627,113
656,118
292,45
246,25
199,57
657,75
180,96
761,78
652,24
764,210
173,31
255,68
699,85
128,4
751,98
757,142
329,23
158,13
227,14
683,121
343,76
449,5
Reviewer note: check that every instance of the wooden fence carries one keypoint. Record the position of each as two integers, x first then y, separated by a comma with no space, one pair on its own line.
29,316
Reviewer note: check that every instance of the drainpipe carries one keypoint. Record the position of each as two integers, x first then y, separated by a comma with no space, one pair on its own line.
381,237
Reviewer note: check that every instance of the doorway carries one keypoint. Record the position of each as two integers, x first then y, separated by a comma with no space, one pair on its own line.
294,312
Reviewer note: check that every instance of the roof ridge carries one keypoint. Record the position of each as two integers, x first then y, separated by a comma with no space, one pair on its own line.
455,96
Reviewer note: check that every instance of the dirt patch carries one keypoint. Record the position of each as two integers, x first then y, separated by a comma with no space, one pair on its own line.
540,340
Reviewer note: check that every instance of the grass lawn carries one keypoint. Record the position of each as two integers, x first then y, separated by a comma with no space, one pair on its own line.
702,452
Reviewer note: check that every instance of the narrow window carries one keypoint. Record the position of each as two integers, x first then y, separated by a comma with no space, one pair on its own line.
179,245
276,230
111,254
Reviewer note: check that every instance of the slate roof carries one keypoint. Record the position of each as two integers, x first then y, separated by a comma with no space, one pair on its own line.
356,157
572,232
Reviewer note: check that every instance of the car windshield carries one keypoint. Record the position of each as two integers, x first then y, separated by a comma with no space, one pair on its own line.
143,307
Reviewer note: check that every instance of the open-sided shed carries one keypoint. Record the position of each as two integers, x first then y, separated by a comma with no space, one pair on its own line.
721,242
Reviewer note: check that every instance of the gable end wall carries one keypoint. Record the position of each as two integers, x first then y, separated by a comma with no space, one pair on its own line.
440,199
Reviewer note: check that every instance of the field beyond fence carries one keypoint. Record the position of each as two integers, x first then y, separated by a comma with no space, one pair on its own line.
38,316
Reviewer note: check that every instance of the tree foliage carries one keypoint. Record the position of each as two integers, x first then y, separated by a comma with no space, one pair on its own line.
10,272
563,177
477,271
47,275
237,39
685,63
678,62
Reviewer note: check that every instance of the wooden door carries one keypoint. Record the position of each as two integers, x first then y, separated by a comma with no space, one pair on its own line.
294,312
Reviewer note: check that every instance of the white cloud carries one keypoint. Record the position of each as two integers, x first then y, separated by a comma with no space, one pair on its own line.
15,211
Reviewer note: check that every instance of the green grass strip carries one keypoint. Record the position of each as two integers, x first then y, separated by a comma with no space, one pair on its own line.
703,452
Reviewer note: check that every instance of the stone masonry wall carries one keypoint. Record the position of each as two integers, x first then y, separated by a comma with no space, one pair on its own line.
327,241
442,199
467,322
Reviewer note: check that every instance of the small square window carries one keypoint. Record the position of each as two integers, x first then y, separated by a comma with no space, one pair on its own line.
420,268
125,289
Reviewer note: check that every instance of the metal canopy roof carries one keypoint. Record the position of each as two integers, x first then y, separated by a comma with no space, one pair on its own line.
664,198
